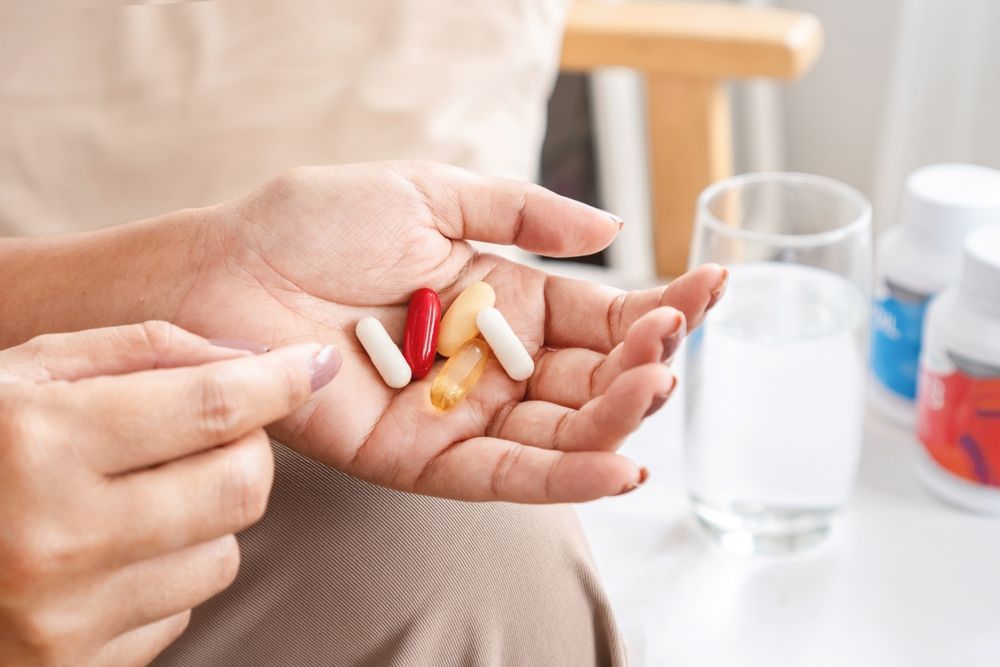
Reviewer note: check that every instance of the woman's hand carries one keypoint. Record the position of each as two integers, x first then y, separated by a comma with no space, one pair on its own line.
317,249
121,486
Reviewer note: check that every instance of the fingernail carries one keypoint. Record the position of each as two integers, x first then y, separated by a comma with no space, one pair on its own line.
632,486
324,367
660,399
673,340
616,220
238,344
658,402
717,293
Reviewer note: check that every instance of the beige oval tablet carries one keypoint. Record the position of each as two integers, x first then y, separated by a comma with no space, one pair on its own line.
459,324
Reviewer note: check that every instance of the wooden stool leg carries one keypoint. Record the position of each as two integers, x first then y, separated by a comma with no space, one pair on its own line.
690,148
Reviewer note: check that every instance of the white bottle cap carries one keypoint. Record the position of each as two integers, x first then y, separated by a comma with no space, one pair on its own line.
979,281
943,202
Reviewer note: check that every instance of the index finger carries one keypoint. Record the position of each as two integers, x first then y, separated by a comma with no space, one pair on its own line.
137,347
143,419
497,210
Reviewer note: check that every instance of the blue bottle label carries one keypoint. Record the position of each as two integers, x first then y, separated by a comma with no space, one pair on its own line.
897,323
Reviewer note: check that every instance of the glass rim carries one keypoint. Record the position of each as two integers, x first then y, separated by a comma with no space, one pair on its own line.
827,237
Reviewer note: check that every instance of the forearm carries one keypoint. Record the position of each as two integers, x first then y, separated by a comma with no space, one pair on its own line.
130,273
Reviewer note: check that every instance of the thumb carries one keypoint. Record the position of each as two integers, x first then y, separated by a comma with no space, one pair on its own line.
496,210
110,351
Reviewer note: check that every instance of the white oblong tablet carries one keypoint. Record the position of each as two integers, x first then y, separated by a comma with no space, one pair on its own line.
385,356
507,347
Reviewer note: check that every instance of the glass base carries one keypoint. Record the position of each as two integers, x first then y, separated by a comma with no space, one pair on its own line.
751,530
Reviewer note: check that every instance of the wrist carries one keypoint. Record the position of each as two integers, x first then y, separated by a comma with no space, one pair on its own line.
119,275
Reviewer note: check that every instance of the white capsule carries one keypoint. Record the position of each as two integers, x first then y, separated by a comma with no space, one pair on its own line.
505,344
385,356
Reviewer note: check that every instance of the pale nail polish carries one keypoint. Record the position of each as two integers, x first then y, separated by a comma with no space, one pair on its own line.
672,341
632,486
717,293
657,403
324,366
660,399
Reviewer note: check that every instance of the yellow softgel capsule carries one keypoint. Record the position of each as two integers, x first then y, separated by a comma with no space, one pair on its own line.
459,323
460,374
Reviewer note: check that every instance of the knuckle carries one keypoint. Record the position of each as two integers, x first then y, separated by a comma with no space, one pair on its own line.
157,339
178,624
42,633
249,478
594,379
167,632
38,555
29,359
500,479
615,315
285,185
219,410
21,573
35,554
157,334
36,347
227,563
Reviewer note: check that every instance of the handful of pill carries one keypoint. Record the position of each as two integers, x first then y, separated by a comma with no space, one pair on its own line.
453,336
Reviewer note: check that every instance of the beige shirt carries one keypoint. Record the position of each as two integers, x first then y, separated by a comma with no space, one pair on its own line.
111,114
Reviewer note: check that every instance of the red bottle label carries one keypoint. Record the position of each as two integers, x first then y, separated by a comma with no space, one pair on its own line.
958,421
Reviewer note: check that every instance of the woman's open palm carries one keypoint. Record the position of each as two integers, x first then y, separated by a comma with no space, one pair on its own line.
315,250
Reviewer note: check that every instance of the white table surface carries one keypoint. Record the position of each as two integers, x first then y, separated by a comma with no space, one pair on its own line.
904,580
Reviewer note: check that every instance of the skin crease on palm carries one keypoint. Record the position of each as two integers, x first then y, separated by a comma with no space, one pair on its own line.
313,251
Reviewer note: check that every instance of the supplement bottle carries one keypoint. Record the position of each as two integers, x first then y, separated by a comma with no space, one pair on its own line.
958,398
917,259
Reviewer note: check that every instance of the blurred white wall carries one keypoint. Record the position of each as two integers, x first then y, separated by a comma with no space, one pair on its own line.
833,116
901,83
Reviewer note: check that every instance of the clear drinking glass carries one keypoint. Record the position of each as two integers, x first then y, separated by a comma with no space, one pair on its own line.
777,373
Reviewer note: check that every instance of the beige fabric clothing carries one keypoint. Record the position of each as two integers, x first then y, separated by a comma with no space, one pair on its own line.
113,114
341,572
193,103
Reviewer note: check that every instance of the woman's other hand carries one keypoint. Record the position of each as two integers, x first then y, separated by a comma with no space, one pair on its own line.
129,457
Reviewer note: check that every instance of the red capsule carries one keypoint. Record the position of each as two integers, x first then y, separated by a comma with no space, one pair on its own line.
421,336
